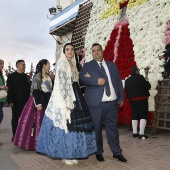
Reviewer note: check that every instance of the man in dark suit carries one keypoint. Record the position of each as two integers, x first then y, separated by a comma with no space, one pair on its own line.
137,89
18,93
103,94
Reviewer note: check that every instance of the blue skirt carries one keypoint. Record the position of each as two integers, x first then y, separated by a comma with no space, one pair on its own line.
79,142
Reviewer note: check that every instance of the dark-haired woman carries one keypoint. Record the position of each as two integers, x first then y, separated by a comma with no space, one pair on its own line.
33,112
67,131
2,87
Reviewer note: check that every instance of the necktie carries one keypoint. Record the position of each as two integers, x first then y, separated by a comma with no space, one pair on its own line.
106,85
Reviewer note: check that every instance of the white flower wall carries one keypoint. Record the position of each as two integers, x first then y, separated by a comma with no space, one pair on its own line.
99,30
147,23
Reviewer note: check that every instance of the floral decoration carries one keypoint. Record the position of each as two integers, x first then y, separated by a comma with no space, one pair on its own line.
137,40
99,30
133,3
123,4
117,5
146,70
166,39
146,24
125,112
119,49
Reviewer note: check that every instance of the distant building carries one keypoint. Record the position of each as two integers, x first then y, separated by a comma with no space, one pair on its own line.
63,22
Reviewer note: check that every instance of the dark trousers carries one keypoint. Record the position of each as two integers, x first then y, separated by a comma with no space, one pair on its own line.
106,114
1,111
16,113
139,109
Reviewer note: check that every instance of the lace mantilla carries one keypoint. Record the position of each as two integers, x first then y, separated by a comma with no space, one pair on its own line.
62,97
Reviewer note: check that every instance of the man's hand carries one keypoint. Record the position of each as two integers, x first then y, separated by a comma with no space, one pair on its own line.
11,104
39,107
120,103
146,78
101,81
161,57
4,87
87,75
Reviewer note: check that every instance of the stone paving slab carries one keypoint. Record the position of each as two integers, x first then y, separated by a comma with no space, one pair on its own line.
150,154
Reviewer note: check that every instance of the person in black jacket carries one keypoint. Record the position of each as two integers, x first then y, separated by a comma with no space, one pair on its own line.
166,56
18,93
137,89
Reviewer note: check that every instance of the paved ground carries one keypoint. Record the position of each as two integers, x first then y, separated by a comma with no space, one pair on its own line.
150,154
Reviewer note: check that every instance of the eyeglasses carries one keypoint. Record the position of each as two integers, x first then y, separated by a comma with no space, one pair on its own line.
93,51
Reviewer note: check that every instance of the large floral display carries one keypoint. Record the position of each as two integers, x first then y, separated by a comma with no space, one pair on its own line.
138,39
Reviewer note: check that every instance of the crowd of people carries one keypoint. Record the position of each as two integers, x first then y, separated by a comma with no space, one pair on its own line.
54,117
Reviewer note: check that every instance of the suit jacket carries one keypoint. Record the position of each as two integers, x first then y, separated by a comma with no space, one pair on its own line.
93,92
19,88
137,86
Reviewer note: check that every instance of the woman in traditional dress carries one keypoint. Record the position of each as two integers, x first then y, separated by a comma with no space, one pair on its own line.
33,112
67,131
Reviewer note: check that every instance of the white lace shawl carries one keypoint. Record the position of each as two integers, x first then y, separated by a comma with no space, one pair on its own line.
62,96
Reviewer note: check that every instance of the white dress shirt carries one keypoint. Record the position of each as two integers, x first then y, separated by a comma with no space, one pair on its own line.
112,90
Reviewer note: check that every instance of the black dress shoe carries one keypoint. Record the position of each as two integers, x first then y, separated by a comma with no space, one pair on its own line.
134,135
120,158
99,157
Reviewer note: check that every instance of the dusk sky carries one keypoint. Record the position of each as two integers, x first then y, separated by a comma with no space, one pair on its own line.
24,31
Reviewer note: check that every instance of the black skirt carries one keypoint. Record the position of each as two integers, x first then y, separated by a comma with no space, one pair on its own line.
45,97
80,116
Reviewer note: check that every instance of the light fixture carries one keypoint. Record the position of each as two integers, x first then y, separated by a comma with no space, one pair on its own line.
59,8
52,11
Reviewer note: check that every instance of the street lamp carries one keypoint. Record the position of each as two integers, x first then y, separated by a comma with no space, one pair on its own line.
52,11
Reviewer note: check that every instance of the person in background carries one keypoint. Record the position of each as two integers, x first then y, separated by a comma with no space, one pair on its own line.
104,95
2,87
137,89
78,57
80,61
33,112
166,56
19,92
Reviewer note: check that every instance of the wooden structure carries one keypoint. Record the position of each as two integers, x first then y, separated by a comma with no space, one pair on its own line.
81,24
162,106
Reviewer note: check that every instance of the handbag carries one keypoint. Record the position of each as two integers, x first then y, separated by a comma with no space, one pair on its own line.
3,94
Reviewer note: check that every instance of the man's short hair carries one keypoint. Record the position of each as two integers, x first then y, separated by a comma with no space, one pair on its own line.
133,70
96,44
19,61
